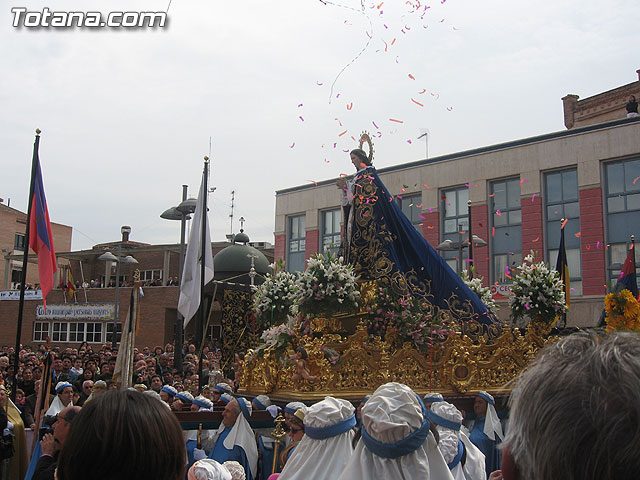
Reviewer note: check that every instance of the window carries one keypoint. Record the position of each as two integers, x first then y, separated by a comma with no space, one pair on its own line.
109,332
94,332
331,230
149,275
76,332
40,331
455,224
622,211
72,332
411,206
296,233
59,332
506,223
561,201
18,242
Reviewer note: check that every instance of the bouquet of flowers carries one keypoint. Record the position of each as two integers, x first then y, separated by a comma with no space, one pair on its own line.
483,293
275,297
537,292
327,285
623,311
277,337
406,316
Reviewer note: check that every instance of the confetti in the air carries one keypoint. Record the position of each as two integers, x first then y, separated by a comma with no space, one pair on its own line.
417,103
397,121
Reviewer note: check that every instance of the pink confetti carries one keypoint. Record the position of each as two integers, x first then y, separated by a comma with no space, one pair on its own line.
350,106
292,145
598,244
533,197
499,213
301,118
409,141
417,103
449,108
374,124
319,84
299,105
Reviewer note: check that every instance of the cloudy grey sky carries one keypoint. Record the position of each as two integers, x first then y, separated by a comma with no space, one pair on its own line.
127,114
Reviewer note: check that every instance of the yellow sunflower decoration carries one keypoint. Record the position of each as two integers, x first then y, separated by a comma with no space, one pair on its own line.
623,311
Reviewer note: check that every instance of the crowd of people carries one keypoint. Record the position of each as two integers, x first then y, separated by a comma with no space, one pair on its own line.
573,414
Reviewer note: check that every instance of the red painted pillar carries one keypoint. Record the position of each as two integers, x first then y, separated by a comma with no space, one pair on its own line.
280,247
592,232
480,227
312,243
532,238
431,228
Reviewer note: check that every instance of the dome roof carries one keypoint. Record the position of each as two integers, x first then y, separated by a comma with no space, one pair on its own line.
233,263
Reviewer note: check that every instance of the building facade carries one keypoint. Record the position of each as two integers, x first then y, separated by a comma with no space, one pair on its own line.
87,315
13,224
516,195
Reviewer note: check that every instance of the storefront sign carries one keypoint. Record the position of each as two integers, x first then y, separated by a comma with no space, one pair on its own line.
76,311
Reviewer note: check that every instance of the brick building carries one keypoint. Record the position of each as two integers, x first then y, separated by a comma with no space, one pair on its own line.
519,192
75,324
13,224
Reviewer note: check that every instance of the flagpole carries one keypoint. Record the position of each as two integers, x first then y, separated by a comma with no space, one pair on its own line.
200,323
25,259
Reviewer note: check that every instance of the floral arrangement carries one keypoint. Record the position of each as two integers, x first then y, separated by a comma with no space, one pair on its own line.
537,292
327,285
405,315
275,297
623,311
277,338
483,293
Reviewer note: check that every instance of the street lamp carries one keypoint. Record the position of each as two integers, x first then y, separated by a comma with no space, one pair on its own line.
180,212
451,246
110,257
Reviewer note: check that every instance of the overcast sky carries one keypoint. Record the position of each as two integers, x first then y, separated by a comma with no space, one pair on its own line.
127,114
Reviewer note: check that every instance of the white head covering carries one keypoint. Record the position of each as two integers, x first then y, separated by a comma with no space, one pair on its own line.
262,402
235,469
223,388
184,397
169,389
203,402
396,441
273,410
448,421
326,446
242,435
492,426
56,404
226,398
291,407
208,469
433,397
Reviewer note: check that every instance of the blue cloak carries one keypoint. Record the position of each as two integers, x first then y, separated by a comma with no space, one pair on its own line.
383,245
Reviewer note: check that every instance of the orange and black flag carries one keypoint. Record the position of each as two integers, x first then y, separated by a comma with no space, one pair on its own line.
562,267
69,287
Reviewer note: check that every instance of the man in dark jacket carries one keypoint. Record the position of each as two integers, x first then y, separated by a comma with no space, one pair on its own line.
52,444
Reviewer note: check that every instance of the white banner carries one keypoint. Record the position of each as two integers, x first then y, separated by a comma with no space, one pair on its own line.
15,295
76,311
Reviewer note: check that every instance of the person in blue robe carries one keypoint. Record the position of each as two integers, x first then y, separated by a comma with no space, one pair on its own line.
236,440
383,245
486,433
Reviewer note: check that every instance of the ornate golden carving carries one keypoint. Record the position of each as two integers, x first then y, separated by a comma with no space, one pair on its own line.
459,365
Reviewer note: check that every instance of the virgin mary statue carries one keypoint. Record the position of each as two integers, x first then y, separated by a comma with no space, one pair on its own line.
383,245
